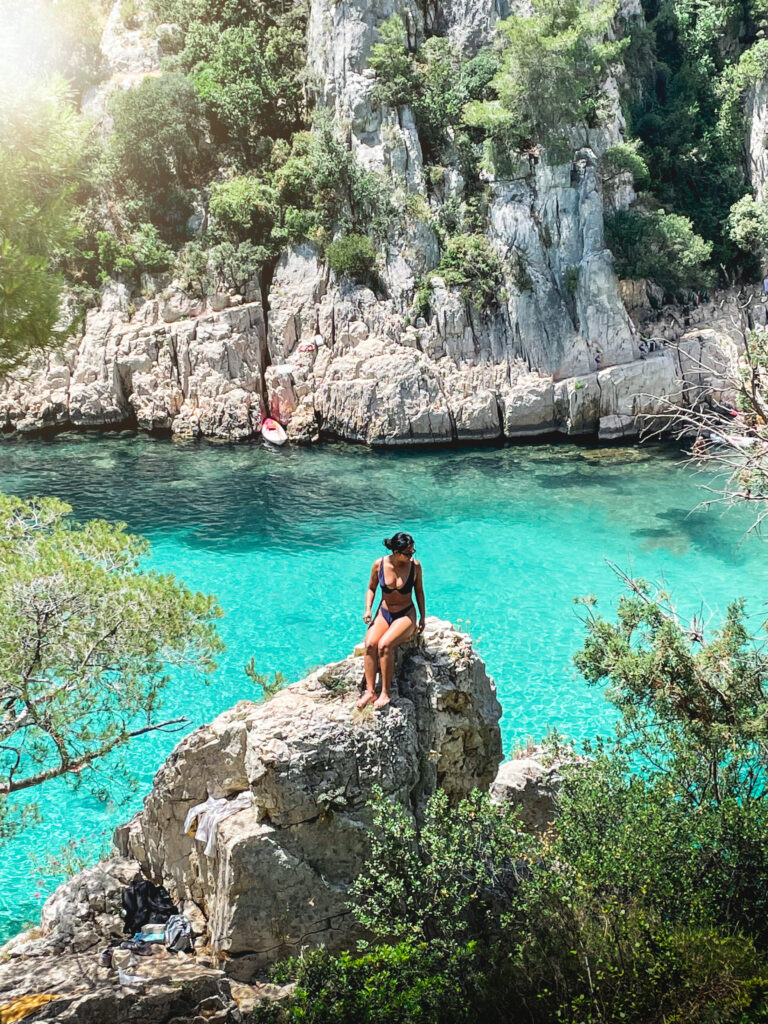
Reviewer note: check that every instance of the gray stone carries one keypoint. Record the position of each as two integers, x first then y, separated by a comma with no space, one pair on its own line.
531,784
281,870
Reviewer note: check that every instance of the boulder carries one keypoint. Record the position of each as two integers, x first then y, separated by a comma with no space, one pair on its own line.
531,783
278,878
200,376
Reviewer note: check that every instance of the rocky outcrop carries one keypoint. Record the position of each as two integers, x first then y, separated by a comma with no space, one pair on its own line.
531,783
756,105
157,368
327,357
276,877
277,881
61,960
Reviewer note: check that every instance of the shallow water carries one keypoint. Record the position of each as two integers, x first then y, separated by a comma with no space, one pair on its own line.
507,537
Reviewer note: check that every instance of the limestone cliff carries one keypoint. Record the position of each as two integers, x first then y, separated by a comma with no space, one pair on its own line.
557,352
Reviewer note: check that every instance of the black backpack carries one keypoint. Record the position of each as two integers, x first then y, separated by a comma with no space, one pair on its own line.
146,903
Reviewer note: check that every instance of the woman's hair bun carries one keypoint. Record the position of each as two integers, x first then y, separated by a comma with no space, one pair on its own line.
398,542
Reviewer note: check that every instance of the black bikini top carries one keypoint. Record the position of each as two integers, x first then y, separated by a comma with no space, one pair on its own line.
406,588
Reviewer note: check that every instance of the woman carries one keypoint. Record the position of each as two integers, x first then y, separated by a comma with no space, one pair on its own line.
397,574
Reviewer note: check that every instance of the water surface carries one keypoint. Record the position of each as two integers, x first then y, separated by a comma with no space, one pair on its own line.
507,537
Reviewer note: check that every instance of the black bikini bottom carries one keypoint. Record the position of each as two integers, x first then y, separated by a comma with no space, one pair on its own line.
389,617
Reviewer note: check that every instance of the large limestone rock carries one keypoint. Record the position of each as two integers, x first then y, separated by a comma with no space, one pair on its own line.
278,879
201,376
279,872
756,105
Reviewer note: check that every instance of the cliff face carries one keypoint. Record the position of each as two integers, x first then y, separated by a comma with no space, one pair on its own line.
557,352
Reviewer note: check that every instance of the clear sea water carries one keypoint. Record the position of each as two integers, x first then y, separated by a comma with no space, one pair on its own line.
507,537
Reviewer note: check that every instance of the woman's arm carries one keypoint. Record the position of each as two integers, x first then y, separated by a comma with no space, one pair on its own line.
370,593
419,590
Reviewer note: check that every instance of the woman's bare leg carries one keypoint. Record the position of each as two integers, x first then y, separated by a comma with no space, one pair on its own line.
376,631
398,632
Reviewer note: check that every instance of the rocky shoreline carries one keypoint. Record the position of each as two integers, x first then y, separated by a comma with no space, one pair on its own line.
214,373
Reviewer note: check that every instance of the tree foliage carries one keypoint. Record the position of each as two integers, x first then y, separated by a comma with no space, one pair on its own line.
159,147
87,642
353,255
42,142
470,263
661,246
554,66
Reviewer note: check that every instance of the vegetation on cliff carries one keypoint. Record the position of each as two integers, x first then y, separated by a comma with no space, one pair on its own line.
219,162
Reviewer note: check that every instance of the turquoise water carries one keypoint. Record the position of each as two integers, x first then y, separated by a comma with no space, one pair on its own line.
507,537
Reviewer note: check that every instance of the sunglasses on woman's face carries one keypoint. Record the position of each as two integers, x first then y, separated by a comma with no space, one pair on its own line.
408,551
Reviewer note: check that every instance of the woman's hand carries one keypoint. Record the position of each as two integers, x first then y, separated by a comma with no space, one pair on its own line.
420,627
367,618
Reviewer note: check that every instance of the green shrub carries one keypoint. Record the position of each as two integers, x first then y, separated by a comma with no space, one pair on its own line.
151,253
571,279
621,159
158,147
322,176
520,273
662,247
248,78
352,255
42,149
457,878
470,262
553,70
245,208
389,58
417,983
747,226
143,251
232,266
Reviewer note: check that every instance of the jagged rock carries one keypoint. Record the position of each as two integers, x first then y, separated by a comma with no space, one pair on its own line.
178,990
531,784
192,377
756,108
279,877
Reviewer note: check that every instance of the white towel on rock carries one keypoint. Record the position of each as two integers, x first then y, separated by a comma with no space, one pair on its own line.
210,813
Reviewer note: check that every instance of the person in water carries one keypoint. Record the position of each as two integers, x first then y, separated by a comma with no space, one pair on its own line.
398,574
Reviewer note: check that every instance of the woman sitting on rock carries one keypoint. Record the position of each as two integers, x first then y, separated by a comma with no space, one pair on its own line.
397,574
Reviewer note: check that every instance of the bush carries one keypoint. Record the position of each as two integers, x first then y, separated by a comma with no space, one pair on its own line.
417,983
232,266
554,66
42,149
248,78
322,176
352,255
747,226
660,246
158,148
143,251
245,208
389,58
470,262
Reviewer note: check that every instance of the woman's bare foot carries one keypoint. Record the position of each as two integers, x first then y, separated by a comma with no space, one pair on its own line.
382,701
366,698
